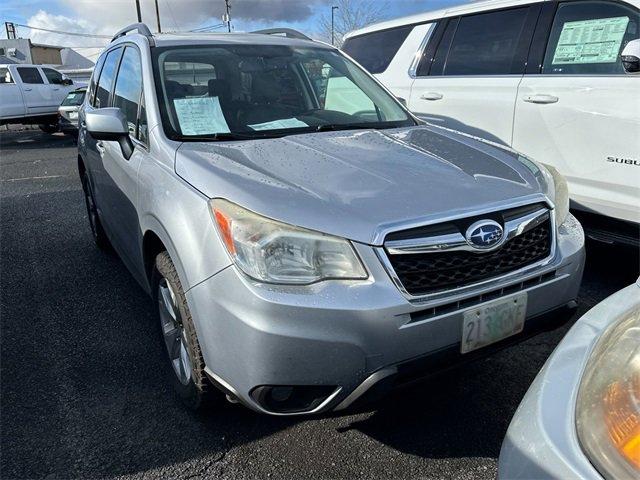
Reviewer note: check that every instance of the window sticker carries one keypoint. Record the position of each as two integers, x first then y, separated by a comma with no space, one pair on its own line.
278,124
590,41
200,116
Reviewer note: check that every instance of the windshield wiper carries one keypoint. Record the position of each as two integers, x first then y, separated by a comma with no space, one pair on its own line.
331,127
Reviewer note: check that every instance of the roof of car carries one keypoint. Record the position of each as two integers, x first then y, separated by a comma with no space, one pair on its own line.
177,39
424,17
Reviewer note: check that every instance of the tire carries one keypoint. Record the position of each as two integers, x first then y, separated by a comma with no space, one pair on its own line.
185,363
48,128
97,231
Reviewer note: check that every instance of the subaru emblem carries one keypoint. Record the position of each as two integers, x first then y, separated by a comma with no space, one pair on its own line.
484,234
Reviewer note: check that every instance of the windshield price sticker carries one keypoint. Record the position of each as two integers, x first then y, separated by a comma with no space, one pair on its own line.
590,41
200,116
279,124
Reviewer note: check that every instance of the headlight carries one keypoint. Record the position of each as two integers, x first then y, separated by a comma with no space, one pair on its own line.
274,252
608,405
561,194
555,179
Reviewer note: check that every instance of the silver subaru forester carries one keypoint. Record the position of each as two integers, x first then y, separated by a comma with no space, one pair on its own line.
307,241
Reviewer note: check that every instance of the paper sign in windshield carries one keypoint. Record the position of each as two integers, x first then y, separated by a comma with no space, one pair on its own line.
278,124
200,116
590,41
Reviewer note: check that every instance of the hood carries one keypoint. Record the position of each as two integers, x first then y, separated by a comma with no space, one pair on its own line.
355,184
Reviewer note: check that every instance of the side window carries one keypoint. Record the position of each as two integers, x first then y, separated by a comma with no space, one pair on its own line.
54,77
105,83
587,38
30,75
129,87
94,79
374,51
336,92
5,76
487,44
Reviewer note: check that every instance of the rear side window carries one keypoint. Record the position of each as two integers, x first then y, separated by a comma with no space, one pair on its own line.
374,51
105,83
29,75
587,38
5,75
129,87
53,76
486,44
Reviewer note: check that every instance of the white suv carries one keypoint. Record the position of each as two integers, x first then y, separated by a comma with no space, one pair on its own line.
557,81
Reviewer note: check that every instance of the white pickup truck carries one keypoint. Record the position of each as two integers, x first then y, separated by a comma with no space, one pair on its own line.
31,94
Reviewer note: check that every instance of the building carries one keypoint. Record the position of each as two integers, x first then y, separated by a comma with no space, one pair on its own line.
21,50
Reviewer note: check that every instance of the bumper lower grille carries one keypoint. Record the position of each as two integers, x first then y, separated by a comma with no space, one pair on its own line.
426,273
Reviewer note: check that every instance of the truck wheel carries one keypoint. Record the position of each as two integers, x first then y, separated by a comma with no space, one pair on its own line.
99,236
48,128
185,362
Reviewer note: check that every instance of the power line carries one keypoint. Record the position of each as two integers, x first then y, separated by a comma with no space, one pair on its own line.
63,33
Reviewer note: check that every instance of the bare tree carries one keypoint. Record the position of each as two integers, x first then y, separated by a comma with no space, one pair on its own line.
351,15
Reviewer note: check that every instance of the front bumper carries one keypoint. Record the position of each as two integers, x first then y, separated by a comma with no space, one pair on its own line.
340,334
542,440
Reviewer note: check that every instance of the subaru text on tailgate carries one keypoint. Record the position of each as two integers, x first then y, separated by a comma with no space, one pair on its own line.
305,238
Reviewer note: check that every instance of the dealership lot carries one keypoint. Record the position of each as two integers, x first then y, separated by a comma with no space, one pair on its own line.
83,393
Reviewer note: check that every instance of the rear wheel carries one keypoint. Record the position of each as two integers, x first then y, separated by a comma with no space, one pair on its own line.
185,361
99,236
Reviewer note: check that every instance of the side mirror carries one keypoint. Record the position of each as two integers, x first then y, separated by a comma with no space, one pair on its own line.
403,101
66,82
110,124
630,56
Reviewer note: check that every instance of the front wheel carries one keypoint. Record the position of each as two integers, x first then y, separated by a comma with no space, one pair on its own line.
179,335
99,235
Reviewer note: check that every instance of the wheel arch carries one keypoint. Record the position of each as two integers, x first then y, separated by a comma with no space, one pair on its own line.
155,240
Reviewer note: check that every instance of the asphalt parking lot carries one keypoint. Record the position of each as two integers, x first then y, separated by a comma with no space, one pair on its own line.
83,395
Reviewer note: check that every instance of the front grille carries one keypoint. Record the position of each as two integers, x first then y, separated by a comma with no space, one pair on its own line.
426,273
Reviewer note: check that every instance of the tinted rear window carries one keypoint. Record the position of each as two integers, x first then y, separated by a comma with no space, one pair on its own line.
486,44
374,51
74,98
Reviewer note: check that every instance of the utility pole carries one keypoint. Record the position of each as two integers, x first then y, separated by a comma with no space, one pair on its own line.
227,16
333,9
158,17
138,10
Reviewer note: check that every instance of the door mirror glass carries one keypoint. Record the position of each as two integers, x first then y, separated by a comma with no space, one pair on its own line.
630,56
110,124
67,81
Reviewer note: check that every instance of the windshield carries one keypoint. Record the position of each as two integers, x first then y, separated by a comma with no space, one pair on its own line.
253,91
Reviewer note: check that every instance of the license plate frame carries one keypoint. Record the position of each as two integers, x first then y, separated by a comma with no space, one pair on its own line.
494,321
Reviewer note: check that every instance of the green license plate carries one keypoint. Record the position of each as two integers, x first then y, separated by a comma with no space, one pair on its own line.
493,321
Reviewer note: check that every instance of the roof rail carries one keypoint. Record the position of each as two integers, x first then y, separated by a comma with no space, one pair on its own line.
287,32
141,28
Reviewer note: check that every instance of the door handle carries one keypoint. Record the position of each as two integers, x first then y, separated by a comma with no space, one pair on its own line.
100,147
28,89
541,99
431,96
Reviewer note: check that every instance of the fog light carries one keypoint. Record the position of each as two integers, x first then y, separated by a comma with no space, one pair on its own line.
291,398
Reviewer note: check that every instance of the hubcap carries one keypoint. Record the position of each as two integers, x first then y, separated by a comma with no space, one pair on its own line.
175,337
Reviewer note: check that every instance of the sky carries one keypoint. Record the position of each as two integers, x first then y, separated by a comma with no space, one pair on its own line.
105,17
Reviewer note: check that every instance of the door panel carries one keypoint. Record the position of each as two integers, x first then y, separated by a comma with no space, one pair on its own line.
36,93
581,114
481,106
474,72
587,135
